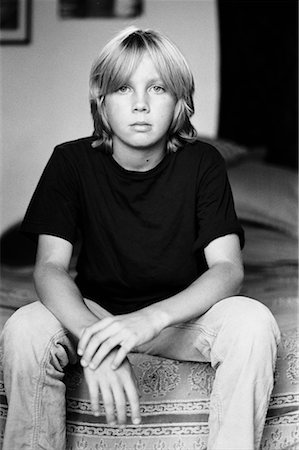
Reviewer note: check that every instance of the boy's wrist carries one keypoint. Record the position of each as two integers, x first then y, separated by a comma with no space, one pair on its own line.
164,319
158,317
87,323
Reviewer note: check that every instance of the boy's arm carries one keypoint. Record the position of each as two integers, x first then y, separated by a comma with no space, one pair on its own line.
58,292
223,279
56,288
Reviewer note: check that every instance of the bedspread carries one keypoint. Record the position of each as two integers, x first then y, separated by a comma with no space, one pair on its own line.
175,395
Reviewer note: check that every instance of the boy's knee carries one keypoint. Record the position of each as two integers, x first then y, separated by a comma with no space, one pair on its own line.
28,325
255,320
31,334
18,329
249,331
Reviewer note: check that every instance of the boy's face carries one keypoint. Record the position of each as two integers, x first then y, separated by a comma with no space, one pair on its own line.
141,111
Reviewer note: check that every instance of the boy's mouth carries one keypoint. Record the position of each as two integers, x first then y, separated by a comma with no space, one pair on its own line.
141,126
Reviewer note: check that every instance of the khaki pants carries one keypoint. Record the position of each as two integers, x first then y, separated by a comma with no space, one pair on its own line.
238,335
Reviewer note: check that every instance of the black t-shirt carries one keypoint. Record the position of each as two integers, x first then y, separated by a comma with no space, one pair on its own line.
143,233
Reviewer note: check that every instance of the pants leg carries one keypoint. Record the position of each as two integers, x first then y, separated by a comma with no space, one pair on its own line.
36,349
239,336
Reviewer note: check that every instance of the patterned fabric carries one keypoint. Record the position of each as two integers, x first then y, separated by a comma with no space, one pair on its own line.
175,406
175,395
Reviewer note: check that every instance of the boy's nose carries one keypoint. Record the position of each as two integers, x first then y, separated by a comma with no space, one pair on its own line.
141,102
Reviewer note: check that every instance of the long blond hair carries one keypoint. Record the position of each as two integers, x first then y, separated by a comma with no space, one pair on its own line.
113,68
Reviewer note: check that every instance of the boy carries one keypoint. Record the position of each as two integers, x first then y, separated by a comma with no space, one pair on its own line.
160,265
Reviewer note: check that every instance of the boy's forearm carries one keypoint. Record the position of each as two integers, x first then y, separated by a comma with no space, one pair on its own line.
59,293
129,331
220,281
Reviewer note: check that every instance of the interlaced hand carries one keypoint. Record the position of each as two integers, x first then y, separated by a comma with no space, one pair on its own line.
117,388
123,333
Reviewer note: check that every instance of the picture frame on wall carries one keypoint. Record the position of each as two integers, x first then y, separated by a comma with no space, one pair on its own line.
15,22
82,9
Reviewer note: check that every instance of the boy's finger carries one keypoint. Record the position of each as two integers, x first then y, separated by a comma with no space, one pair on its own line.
120,403
108,403
133,397
120,356
89,331
90,350
94,397
102,352
101,344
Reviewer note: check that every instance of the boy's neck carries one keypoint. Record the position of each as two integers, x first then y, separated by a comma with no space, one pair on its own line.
138,160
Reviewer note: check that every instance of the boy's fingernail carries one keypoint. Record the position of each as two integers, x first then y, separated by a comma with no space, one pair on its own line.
136,421
92,366
79,351
83,363
96,413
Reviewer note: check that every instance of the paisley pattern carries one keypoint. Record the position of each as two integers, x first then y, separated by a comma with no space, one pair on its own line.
290,341
158,377
175,408
201,378
175,395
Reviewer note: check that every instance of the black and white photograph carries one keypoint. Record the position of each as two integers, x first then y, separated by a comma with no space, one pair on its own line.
149,225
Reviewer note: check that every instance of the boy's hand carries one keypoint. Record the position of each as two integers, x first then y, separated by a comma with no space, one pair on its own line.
117,387
123,333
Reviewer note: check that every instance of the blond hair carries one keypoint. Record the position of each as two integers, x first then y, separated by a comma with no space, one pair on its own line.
114,66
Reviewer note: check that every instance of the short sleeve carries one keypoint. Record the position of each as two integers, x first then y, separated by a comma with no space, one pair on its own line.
216,216
53,208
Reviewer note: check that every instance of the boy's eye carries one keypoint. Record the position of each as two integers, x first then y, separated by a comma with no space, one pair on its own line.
158,89
123,89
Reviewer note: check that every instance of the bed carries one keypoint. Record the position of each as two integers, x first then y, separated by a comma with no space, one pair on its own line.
175,395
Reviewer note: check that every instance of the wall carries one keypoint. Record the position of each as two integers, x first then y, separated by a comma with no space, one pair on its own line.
44,86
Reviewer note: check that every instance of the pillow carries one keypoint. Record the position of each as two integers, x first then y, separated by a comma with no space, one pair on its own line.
230,151
268,246
266,194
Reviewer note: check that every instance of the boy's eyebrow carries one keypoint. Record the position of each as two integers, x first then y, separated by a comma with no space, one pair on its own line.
151,80
155,80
